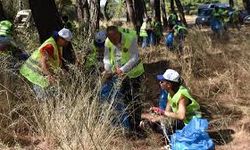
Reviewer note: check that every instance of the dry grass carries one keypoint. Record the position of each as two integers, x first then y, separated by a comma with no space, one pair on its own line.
216,71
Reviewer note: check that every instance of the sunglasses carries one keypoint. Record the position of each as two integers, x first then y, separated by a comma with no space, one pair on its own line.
162,81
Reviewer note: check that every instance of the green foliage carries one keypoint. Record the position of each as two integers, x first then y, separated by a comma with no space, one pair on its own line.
116,9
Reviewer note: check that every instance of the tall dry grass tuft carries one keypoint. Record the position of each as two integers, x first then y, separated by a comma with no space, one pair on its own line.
70,117
74,117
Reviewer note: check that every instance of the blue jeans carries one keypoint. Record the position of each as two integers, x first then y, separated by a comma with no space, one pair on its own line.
152,39
111,93
144,42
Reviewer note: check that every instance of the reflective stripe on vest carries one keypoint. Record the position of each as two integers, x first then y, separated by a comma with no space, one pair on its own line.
5,28
143,32
128,37
192,110
32,70
178,29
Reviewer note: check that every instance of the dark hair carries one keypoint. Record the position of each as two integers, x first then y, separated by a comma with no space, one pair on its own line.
176,85
99,45
112,28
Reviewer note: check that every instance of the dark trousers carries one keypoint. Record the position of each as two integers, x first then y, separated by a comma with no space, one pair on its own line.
132,96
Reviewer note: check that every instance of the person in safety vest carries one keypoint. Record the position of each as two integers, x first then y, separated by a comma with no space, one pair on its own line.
180,104
217,16
235,19
225,17
157,30
8,47
172,19
180,32
144,34
121,60
169,38
95,55
44,63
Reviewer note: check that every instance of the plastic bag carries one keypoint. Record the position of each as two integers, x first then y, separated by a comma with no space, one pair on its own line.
169,39
192,137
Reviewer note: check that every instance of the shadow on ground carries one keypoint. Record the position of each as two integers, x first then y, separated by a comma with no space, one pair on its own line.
222,137
151,86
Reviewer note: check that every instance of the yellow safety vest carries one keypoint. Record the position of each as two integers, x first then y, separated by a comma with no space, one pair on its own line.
143,32
128,36
32,70
192,110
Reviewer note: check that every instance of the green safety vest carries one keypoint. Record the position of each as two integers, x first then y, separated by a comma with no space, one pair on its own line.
91,58
235,16
158,28
179,28
192,110
5,28
32,70
143,32
225,16
172,19
129,36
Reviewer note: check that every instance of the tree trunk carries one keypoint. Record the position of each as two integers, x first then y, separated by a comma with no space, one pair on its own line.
83,14
246,4
131,12
139,12
156,4
164,14
95,16
106,14
46,17
47,20
231,3
172,6
181,11
145,9
1,11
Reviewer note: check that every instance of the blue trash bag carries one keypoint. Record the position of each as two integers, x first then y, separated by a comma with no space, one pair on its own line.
216,25
169,39
163,99
192,137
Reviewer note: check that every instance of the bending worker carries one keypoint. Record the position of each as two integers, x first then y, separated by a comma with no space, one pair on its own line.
121,58
94,61
42,66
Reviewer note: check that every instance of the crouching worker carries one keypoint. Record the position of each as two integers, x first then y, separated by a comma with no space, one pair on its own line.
43,65
94,60
181,106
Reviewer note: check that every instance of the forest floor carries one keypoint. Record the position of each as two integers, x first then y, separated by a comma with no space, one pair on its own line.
220,85
216,70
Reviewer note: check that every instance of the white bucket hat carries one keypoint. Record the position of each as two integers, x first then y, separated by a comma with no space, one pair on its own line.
170,75
65,34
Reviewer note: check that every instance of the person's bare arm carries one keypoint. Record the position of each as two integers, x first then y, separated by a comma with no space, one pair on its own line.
168,108
181,113
44,64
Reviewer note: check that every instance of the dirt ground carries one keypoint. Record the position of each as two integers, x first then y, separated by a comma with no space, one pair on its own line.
229,124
